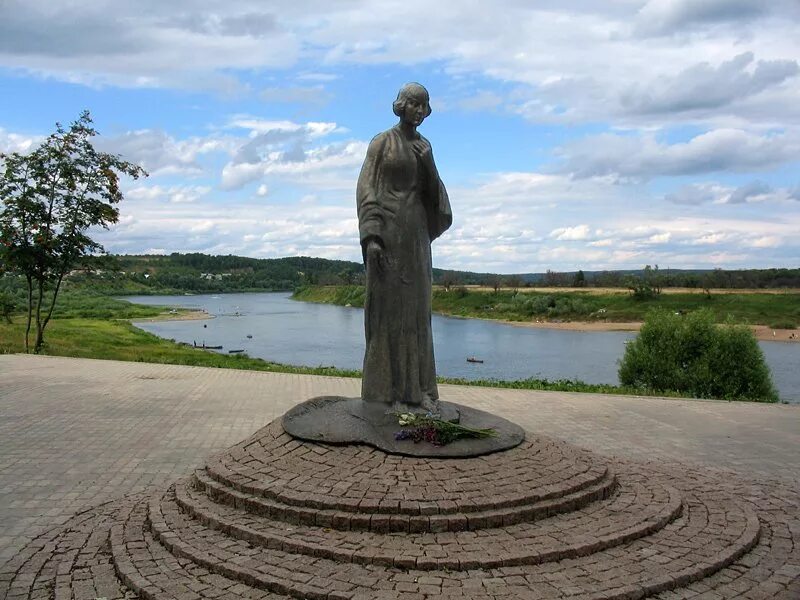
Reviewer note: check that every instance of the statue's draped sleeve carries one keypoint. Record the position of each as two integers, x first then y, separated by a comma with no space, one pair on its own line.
437,204
370,213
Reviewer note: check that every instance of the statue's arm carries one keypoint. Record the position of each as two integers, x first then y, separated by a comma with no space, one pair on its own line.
440,215
424,151
370,213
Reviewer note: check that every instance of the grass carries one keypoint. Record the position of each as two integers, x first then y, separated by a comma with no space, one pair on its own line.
89,325
119,340
751,308
560,385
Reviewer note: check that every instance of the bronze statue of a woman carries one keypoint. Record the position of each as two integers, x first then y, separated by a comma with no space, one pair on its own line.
402,208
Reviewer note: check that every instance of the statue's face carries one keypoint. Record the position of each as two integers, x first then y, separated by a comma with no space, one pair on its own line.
416,109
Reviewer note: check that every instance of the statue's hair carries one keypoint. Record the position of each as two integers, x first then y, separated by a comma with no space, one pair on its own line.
410,89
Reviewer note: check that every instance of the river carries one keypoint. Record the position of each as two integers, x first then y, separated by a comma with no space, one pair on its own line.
304,333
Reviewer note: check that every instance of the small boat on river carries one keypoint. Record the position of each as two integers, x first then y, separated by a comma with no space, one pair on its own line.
472,359
235,351
204,347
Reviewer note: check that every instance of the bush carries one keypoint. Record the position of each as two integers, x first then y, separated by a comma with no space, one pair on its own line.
460,291
690,354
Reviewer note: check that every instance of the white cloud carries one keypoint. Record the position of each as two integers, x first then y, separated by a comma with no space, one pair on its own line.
660,17
203,226
752,192
643,156
177,193
160,153
235,176
528,233
332,166
716,193
725,70
703,87
579,232
660,238
710,239
767,241
697,193
178,44
195,45
252,229
291,151
15,142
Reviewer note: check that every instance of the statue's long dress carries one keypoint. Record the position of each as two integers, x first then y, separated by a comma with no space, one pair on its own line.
404,208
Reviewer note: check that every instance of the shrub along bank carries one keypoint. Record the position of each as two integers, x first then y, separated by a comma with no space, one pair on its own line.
691,354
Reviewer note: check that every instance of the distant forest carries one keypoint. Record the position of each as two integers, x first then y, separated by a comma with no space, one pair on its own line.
202,273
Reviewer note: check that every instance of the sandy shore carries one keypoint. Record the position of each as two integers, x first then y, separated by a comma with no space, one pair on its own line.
194,315
763,333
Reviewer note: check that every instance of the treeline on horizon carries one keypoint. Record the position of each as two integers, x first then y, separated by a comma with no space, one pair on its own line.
203,273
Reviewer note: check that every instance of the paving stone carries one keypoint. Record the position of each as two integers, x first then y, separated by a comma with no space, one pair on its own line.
272,517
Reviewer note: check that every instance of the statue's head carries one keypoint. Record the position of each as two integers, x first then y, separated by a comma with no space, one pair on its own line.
410,91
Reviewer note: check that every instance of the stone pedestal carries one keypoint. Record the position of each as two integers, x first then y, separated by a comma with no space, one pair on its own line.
277,517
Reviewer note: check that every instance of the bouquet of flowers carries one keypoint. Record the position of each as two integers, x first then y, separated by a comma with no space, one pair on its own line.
430,428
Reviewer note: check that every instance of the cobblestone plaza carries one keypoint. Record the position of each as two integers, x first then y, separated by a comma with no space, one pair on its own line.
717,480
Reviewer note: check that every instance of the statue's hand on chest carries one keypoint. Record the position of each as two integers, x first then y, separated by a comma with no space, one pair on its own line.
422,150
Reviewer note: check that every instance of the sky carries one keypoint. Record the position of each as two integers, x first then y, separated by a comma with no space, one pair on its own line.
570,134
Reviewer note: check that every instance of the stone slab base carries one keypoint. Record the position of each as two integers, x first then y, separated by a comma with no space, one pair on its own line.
338,420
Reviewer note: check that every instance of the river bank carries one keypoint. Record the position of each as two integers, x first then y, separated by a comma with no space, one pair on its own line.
771,314
762,332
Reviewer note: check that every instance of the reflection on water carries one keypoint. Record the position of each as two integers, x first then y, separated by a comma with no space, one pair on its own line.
304,333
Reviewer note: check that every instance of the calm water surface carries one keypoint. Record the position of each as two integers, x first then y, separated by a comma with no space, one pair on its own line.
303,333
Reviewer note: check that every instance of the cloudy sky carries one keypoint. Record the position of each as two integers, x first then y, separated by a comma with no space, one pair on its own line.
570,134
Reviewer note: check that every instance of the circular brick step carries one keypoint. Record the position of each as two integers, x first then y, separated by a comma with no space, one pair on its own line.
771,571
206,539
380,522
707,537
361,479
75,562
71,562
147,568
635,510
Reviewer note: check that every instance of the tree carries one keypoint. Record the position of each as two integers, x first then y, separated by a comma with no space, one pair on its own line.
7,306
449,279
555,279
647,286
50,199
579,280
513,281
691,354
